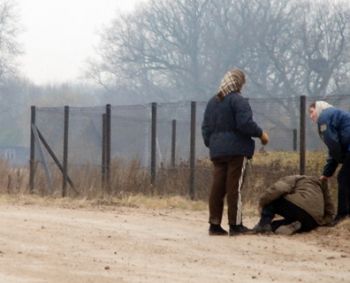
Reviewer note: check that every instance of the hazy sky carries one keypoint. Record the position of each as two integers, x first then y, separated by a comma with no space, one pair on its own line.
59,35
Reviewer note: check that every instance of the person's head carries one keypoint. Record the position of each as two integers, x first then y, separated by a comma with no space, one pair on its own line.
312,112
233,81
316,108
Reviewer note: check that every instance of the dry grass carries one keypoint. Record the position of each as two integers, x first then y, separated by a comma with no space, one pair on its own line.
135,201
130,181
267,168
12,180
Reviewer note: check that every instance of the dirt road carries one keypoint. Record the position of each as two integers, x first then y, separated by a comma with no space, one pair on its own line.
52,244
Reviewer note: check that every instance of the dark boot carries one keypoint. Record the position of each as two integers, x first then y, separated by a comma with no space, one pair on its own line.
338,218
238,229
262,228
217,230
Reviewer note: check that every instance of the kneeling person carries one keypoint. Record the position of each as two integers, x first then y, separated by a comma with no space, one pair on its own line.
304,203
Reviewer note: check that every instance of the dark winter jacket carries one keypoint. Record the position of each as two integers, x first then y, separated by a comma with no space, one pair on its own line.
306,192
228,127
334,130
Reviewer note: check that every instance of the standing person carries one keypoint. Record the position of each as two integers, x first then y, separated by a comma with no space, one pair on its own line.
334,130
304,202
227,130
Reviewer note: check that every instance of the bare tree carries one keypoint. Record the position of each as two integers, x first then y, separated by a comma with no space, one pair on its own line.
158,49
11,103
326,48
287,47
9,46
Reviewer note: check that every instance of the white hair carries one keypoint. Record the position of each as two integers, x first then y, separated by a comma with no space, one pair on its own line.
320,106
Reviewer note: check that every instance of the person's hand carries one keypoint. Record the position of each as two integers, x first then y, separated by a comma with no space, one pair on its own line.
324,178
264,138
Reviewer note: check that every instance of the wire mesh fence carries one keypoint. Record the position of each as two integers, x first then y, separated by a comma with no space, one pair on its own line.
139,140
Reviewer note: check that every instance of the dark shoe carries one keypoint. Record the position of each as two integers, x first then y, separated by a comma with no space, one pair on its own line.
262,228
238,229
338,218
289,229
216,230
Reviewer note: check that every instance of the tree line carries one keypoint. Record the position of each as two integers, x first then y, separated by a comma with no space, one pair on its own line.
171,50
180,49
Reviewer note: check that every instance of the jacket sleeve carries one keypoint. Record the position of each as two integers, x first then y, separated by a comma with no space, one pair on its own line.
329,210
330,129
244,119
207,129
282,187
330,167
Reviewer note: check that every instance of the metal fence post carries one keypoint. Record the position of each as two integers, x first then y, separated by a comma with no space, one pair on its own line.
153,144
295,139
173,143
32,150
302,134
108,148
103,150
65,150
193,150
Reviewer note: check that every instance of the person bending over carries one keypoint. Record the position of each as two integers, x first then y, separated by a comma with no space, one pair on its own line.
303,202
334,130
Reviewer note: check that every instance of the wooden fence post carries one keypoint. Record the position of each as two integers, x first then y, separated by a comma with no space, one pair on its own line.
173,143
154,144
193,151
295,139
302,135
108,148
103,152
32,150
65,150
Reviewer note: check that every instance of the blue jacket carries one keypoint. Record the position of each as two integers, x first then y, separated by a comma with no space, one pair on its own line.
334,130
228,127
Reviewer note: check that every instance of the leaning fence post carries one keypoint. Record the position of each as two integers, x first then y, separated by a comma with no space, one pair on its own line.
54,157
32,150
193,150
154,143
302,134
108,148
65,150
295,139
43,159
173,143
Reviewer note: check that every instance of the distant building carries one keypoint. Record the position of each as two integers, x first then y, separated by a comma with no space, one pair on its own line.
15,155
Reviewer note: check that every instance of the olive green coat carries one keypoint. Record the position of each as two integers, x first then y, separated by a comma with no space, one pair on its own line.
306,192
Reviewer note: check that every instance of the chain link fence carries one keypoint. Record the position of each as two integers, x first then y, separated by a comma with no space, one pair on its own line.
119,149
